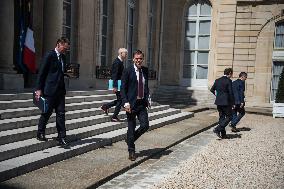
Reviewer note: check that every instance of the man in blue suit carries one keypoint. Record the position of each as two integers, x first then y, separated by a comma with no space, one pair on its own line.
223,91
239,96
50,84
135,93
116,73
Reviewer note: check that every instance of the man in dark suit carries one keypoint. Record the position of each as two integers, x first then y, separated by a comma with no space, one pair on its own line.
223,91
135,93
50,84
116,73
239,96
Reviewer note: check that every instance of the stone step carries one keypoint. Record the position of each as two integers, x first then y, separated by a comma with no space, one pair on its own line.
6,96
11,104
19,122
25,163
32,111
19,148
19,134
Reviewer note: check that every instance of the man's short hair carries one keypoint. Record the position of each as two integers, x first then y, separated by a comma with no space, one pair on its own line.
243,74
63,40
228,71
138,52
122,50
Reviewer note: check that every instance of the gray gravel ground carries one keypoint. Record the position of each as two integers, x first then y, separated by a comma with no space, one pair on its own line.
253,158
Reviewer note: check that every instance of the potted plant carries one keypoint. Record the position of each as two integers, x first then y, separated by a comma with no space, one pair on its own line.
278,106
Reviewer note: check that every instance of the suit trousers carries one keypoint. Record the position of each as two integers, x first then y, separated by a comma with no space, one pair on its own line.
140,111
56,102
117,103
225,116
238,113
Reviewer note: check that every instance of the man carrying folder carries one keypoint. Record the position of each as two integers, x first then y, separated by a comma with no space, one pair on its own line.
116,73
50,85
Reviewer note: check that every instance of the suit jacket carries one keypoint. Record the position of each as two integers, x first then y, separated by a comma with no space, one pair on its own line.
51,77
116,71
129,86
238,91
223,91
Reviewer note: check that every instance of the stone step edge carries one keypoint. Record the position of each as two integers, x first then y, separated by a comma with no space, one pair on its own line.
27,95
34,145
68,100
6,136
21,122
13,170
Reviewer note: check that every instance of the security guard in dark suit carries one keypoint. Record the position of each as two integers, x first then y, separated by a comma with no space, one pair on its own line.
223,91
50,84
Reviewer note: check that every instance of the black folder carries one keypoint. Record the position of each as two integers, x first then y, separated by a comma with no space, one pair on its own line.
41,103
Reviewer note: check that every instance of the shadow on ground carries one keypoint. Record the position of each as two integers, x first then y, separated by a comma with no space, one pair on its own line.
159,152
244,129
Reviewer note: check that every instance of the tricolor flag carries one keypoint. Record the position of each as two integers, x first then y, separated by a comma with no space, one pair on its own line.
29,51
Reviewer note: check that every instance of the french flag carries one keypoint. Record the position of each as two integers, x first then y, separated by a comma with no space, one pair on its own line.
29,51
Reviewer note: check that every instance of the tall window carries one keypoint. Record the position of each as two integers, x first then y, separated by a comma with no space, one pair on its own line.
104,29
196,41
150,34
130,29
66,30
278,58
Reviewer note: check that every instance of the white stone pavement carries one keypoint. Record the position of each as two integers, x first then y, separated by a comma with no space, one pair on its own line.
252,158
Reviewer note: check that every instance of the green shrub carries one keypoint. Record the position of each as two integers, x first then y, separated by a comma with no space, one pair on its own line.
280,91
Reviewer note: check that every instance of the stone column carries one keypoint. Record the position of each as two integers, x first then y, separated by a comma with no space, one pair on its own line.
142,27
8,78
119,24
53,20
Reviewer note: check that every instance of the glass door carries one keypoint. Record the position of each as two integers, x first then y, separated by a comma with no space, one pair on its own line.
196,44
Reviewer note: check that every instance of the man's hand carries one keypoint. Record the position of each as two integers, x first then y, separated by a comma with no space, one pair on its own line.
114,90
127,108
38,93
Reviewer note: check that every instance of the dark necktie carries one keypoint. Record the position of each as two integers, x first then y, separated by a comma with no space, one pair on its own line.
61,62
140,84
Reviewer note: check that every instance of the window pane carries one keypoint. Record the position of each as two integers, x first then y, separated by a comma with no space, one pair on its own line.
104,29
130,16
188,71
203,42
205,9
201,72
280,28
189,43
104,41
130,34
192,10
103,61
66,32
105,2
189,57
276,71
204,27
202,58
190,28
66,14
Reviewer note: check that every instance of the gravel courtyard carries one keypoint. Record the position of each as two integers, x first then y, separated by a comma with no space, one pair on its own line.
252,158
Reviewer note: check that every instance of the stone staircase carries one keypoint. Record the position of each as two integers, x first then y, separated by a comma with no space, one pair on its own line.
181,97
88,128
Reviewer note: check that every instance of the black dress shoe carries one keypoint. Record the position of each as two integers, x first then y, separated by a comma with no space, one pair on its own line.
62,141
41,137
132,156
234,129
105,109
115,119
218,134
